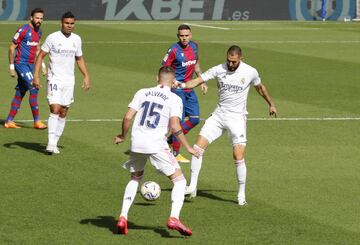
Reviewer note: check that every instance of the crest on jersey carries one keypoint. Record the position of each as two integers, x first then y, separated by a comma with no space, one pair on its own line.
311,9
12,9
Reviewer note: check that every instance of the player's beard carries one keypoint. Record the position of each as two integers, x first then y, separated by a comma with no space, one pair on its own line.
232,68
36,25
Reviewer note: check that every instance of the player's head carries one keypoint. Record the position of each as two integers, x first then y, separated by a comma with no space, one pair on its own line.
184,34
166,75
67,23
233,59
37,17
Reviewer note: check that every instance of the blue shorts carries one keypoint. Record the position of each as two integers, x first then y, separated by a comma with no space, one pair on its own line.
25,74
190,103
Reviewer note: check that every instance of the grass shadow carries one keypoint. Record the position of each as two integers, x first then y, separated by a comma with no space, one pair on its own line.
26,145
109,222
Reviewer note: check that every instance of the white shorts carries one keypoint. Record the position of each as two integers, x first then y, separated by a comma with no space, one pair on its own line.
164,162
60,93
233,123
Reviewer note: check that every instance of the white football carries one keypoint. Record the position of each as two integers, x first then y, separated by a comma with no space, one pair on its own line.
150,190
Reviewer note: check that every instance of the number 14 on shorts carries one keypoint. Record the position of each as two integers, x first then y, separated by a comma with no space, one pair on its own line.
53,87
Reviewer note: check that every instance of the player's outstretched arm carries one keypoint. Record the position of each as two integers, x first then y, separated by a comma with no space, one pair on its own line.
261,89
192,83
126,124
39,61
83,69
204,86
177,131
12,48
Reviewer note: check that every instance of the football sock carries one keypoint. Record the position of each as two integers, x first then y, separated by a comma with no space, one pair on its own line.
177,196
59,129
33,101
241,176
129,196
195,167
186,126
52,125
15,105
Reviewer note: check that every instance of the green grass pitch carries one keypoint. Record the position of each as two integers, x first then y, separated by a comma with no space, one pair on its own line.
303,175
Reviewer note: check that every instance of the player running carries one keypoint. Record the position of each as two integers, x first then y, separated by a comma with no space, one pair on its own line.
64,48
234,79
183,57
23,50
155,110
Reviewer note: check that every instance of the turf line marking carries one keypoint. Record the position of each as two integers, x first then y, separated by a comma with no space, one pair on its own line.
210,27
249,119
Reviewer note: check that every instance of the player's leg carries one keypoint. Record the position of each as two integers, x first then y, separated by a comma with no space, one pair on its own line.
60,124
135,164
20,91
166,163
174,141
237,131
53,120
212,129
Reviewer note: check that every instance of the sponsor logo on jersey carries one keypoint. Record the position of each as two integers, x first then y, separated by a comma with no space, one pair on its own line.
230,87
28,43
188,63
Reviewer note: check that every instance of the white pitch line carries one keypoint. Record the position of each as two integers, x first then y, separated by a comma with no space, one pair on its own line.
229,41
210,27
249,119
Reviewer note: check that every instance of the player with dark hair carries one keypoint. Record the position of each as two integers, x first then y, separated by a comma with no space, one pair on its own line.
183,57
234,79
23,50
155,110
64,48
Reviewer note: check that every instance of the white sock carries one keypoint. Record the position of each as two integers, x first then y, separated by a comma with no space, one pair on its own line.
52,125
59,129
129,196
241,176
177,196
195,168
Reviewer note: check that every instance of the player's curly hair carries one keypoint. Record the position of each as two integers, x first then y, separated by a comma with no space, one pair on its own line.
68,14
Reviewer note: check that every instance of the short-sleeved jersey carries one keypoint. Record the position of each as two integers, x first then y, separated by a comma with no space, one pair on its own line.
233,87
155,106
27,39
62,52
183,60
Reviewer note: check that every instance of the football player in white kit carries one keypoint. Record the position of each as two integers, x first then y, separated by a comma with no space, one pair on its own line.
64,48
156,110
234,79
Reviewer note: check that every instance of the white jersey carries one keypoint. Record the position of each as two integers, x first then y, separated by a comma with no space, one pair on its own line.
155,106
233,87
62,51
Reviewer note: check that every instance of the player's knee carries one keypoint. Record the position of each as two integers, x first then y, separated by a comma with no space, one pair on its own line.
199,149
194,120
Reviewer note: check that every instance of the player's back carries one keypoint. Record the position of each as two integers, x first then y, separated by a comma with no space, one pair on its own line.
155,106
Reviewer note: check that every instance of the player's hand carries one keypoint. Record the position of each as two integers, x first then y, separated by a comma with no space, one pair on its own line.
86,83
272,111
36,82
43,71
193,152
176,84
119,139
204,88
12,72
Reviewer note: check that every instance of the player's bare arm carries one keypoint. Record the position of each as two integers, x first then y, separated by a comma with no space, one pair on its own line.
177,131
83,69
12,48
261,89
39,60
204,86
126,124
43,66
192,83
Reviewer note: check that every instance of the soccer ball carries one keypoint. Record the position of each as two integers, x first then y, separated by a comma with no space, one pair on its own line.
150,190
